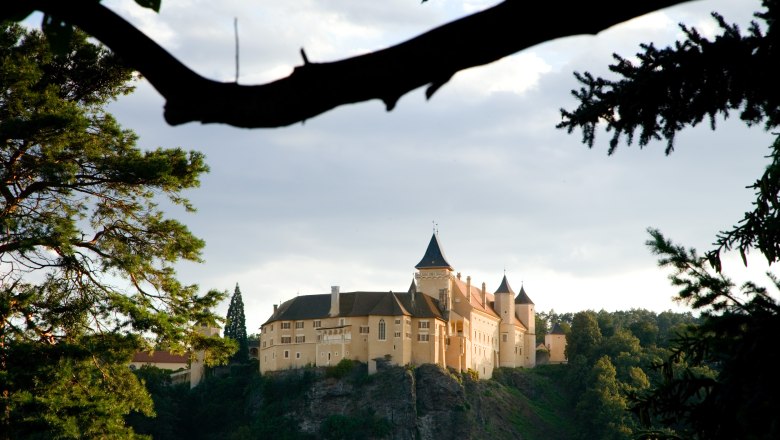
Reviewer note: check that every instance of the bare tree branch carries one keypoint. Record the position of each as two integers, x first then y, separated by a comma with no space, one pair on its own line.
430,59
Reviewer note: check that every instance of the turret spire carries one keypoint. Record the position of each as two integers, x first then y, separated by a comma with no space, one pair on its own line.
434,257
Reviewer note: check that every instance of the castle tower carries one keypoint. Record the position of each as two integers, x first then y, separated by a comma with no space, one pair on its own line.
434,274
524,309
556,343
505,307
198,364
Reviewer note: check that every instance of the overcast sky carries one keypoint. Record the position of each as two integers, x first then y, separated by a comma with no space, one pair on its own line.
349,198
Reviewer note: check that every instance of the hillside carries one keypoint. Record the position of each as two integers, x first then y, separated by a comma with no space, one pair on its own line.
343,402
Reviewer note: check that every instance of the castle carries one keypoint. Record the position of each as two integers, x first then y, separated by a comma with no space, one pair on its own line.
442,319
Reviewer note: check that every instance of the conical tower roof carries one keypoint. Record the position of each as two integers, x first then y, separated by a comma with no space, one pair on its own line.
505,287
434,257
557,330
522,297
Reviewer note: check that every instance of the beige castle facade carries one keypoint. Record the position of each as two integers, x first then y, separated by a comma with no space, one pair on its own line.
442,319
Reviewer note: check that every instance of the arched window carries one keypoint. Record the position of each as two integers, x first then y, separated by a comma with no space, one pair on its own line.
381,332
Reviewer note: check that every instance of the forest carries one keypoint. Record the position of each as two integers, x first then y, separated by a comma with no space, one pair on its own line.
615,358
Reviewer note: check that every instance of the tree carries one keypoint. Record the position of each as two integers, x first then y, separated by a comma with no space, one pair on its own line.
585,336
430,59
86,257
235,326
602,407
717,383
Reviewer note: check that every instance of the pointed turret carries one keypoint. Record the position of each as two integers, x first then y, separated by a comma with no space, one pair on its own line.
522,297
524,310
504,287
434,257
505,307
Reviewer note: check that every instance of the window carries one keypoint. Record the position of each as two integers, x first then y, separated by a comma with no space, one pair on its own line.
341,321
422,337
299,324
408,335
272,342
363,330
286,339
286,354
397,322
397,334
263,344
382,335
423,324
272,327
285,325
300,339
317,323
298,355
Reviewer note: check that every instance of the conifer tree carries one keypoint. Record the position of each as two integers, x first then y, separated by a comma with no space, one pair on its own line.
720,380
86,255
235,327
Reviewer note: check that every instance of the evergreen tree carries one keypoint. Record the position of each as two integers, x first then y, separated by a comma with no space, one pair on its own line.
720,380
235,326
79,218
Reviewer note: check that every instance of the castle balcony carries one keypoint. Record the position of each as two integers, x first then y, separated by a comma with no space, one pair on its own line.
334,335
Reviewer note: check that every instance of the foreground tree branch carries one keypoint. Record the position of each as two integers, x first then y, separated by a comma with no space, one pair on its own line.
430,59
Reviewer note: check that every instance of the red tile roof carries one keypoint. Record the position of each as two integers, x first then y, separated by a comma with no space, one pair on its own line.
161,357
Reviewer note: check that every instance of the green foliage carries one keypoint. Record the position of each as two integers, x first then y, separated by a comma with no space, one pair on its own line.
366,424
602,408
235,326
585,336
672,88
71,397
338,371
719,381
78,210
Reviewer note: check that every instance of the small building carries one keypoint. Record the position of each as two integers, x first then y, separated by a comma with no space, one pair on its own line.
161,359
555,341
441,319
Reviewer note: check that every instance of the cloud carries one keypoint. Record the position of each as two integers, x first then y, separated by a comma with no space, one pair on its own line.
348,198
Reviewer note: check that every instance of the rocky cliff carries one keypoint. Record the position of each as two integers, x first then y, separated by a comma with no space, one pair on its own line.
427,402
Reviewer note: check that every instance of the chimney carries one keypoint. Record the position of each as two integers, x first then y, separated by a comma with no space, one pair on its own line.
468,288
276,306
334,300
484,296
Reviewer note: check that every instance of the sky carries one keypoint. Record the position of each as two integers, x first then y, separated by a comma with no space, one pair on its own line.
351,197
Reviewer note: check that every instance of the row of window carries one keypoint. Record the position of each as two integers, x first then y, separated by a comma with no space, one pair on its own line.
286,325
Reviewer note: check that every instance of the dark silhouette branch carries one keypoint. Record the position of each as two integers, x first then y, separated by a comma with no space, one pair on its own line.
430,59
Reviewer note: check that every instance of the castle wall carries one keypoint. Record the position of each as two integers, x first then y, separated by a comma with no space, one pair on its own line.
557,345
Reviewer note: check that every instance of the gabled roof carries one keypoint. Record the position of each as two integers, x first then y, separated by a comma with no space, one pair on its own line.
557,330
160,357
434,257
505,287
358,304
522,297
302,307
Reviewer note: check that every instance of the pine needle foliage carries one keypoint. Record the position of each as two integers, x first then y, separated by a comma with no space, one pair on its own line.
235,326
86,255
